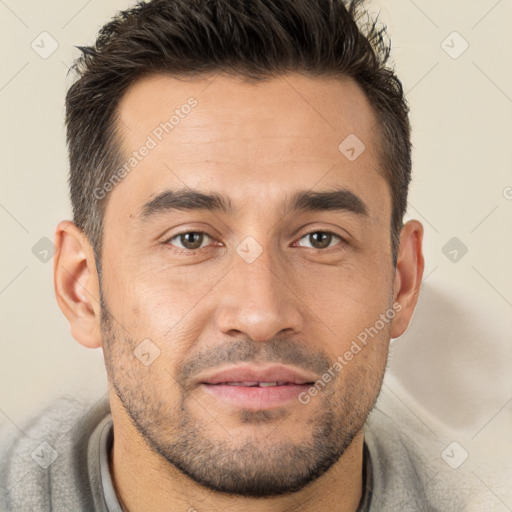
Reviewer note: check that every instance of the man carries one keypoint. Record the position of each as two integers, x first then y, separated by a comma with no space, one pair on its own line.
238,176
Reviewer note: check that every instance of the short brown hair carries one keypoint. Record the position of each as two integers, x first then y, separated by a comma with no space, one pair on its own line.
252,39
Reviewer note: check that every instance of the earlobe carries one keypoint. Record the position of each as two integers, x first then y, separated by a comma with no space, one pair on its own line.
76,284
408,275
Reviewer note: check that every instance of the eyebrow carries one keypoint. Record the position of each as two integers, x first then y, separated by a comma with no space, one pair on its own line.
337,199
185,199
307,200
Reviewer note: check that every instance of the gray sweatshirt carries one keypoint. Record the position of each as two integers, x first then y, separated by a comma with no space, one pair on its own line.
59,463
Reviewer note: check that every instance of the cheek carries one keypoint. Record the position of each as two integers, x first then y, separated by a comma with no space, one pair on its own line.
356,305
156,297
351,298
359,360
170,307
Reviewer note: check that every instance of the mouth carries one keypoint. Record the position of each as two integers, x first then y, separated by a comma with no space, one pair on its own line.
256,396
257,388
260,384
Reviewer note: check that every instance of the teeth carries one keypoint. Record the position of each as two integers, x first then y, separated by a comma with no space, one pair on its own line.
253,384
262,384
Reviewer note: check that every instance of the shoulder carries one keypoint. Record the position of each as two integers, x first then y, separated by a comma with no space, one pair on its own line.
44,460
408,471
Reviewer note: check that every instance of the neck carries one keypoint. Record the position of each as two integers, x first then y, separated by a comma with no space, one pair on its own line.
143,480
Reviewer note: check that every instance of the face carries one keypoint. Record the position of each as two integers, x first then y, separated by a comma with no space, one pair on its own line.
245,247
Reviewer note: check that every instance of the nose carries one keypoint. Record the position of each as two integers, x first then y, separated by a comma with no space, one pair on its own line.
259,301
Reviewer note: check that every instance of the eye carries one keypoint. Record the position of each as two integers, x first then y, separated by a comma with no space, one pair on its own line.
320,240
190,240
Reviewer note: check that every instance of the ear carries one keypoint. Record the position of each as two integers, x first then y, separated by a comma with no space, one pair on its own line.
408,276
76,284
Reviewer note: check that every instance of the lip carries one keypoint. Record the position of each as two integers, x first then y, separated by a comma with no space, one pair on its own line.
251,373
292,383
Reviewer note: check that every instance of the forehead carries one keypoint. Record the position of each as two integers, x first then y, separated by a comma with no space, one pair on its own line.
252,140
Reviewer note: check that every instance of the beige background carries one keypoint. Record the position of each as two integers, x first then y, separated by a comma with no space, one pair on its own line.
451,372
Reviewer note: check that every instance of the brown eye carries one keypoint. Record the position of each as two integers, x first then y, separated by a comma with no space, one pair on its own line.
190,240
320,239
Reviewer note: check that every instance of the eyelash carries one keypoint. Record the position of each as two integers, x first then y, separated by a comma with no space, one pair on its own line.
192,252
187,252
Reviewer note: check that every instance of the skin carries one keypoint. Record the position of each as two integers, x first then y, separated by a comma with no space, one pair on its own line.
257,144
